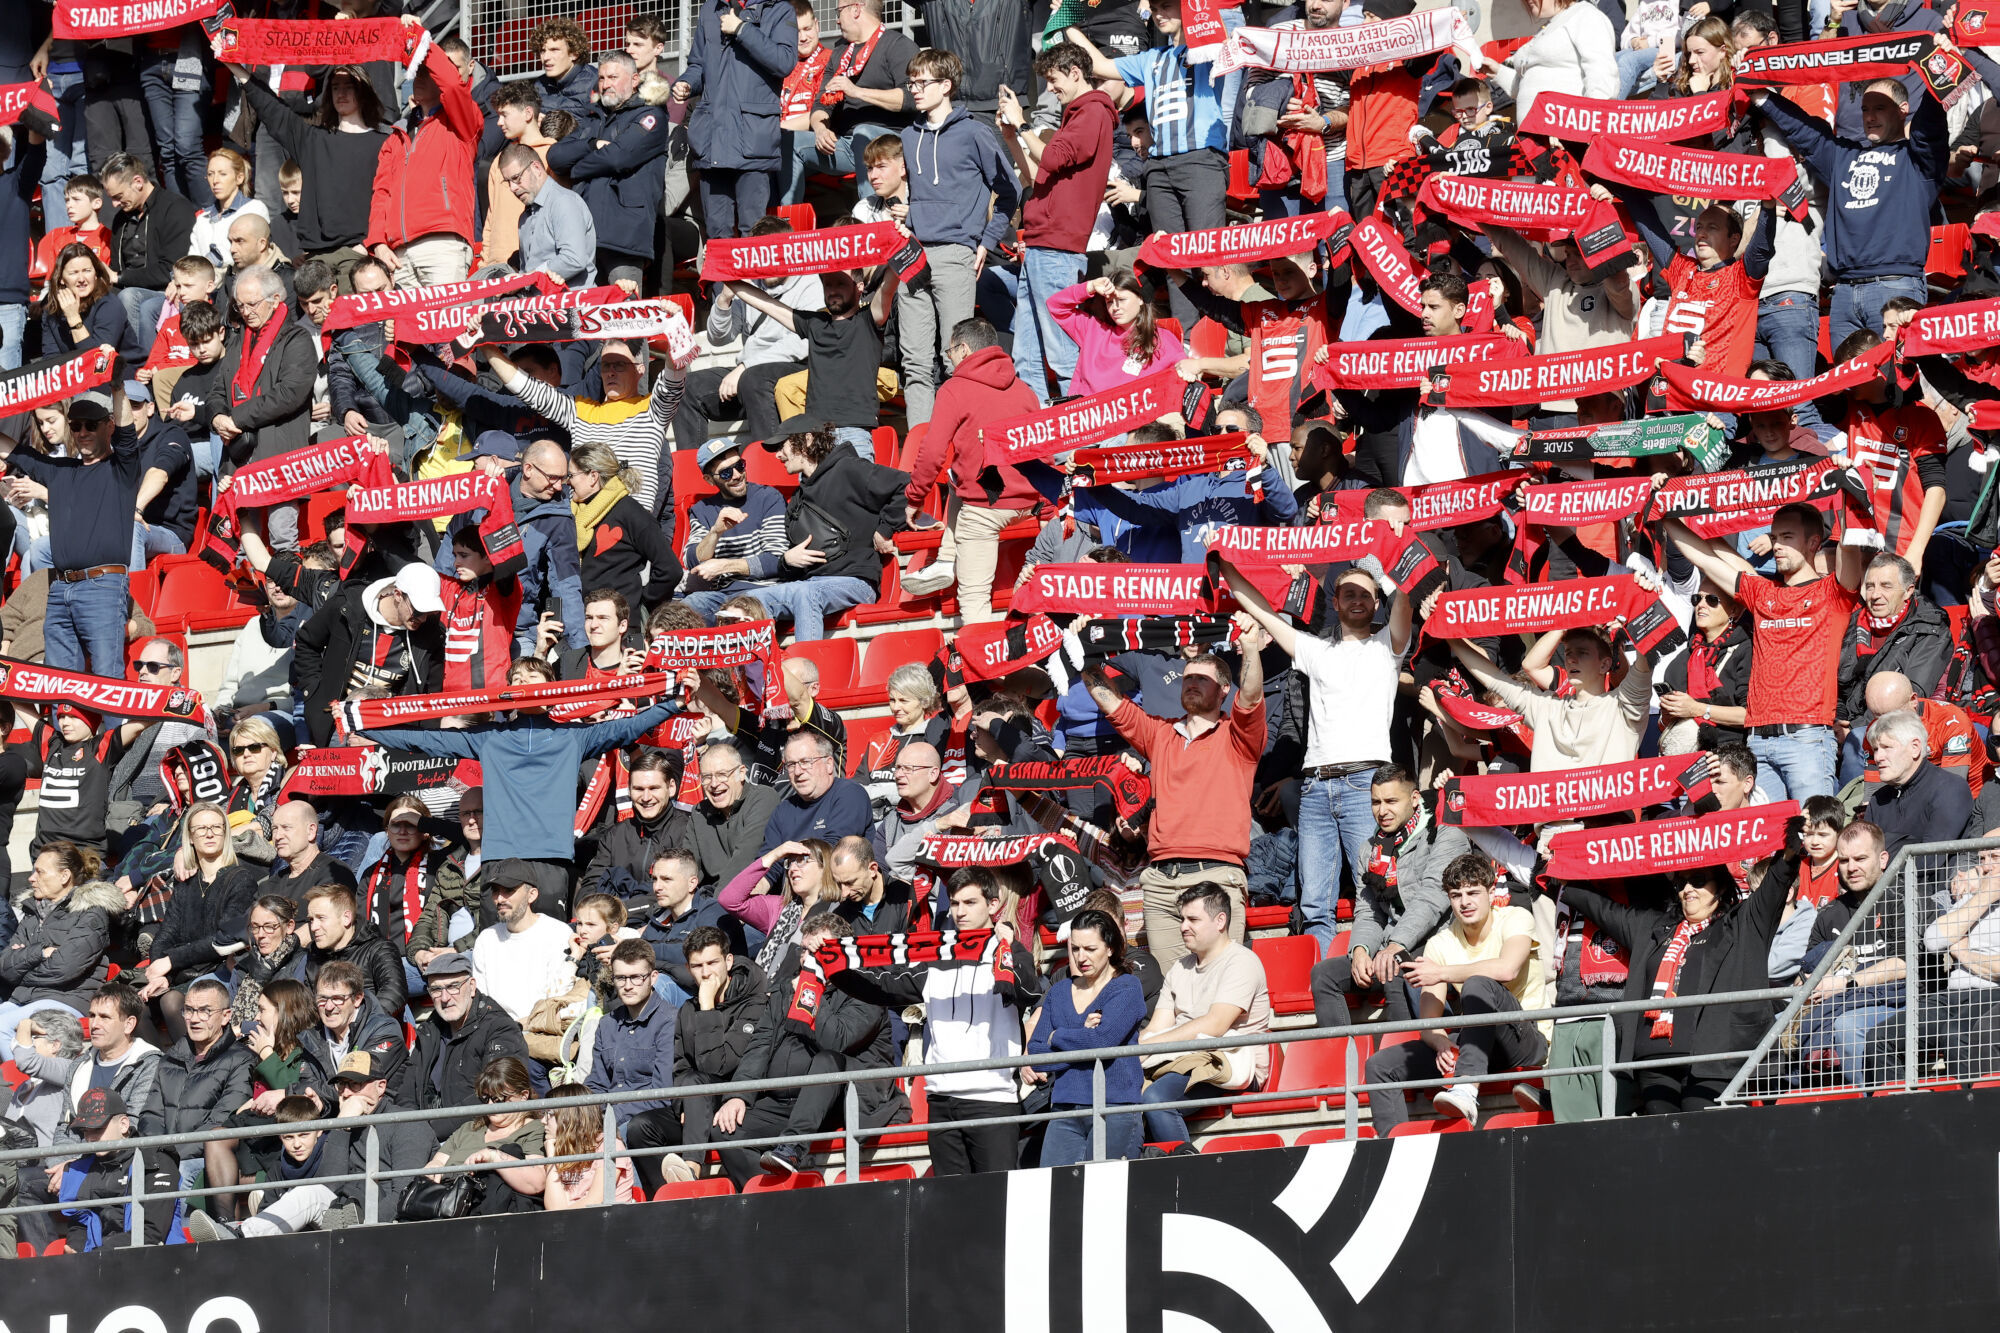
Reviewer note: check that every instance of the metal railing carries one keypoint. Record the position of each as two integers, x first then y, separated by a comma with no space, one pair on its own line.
1912,874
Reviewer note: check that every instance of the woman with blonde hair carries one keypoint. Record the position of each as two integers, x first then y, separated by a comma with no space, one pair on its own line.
257,755
208,911
571,1130
914,715
1706,63
229,181
807,870
616,538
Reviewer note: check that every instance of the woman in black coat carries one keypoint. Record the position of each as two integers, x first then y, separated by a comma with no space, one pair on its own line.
1719,943
617,538
1702,702
82,310
207,916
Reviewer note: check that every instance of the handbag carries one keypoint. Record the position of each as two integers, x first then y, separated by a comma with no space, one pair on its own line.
805,519
433,1200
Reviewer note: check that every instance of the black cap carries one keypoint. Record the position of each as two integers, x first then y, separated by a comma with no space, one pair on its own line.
97,1109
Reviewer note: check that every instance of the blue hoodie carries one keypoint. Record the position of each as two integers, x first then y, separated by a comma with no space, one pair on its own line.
954,170
553,564
1880,197
1197,506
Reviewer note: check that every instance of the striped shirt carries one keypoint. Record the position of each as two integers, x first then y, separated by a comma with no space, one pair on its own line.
635,429
1183,106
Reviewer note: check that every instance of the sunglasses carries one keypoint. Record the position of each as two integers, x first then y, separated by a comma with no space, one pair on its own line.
735,469
1708,599
145,668
255,747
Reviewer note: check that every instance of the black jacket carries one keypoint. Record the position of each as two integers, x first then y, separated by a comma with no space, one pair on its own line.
109,1176
1732,682
373,1031
1933,806
444,1068
378,960
201,921
1920,647
624,181
630,844
79,927
1733,954
144,248
709,1044
327,645
402,1146
853,1031
626,540
277,416
993,40
860,499
190,1095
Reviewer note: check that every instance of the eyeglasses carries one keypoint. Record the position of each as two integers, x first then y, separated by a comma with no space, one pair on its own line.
1708,599
720,779
451,987
475,814
636,978
901,769
207,830
926,83
275,928
801,765
201,1011
255,747
334,1001
145,668
85,423
552,476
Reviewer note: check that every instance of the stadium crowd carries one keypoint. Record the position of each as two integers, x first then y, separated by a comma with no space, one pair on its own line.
1442,572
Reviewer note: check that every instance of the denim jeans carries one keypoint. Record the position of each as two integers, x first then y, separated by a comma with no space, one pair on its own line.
66,152
1850,1037
1171,1126
1335,823
861,441
1070,1142
1362,317
176,117
1635,71
85,629
146,543
1788,331
807,601
1036,334
1796,765
845,157
13,328
142,311
1858,305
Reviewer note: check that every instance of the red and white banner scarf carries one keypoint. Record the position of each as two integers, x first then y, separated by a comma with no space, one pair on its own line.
358,715
1690,388
1662,846
1381,252
1540,212
53,379
620,322
1571,504
1205,456
1883,55
370,770
34,683
1583,119
1502,799
1537,379
1443,504
1476,716
30,103
1000,647
1324,50
612,781
1478,613
1667,980
298,474
782,254
1094,589
440,497
1715,504
469,323
312,41
1202,28
1406,363
1081,421
1647,164
85,20
360,308
1245,244
1949,330
1335,537
727,646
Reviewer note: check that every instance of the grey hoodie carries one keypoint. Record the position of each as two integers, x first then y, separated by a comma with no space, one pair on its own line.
133,1082
962,188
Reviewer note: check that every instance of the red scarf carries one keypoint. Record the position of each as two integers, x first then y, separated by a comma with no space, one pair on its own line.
1667,980
1966,326
781,254
83,20
1091,420
1335,537
1872,55
796,97
312,42
1718,503
613,779
853,60
1205,456
1667,169
361,308
585,697
256,346
54,379
1405,363
1536,379
1442,504
1248,243
1874,630
1583,119
1662,846
31,103
1478,613
1502,799
49,685
726,646
1571,504
369,770
1139,590
1704,654
999,648
416,887
439,497
1540,212
1690,388
1603,960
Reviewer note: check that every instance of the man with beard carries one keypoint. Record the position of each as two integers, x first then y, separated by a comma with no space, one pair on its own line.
615,161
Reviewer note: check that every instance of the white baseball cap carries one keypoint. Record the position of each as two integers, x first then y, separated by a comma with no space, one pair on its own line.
420,583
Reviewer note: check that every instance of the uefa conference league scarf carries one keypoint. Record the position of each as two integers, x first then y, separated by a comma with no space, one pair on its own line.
1325,50
1502,799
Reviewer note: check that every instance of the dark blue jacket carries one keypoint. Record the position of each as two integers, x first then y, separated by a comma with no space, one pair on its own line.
841,812
669,936
625,181
1197,506
571,93
19,178
105,322
634,1053
735,128
1880,197
1121,1010
553,568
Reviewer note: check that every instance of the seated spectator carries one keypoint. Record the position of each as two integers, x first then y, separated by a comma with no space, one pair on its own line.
726,831
1819,884
844,376
102,1171
844,513
1960,1024
569,1132
865,896
274,950
746,391
57,958
463,1034
779,917
1099,1004
628,850
116,1057
258,676
524,959
1214,988
396,887
284,1010
1487,960
821,804
617,538
347,1021
295,838
459,908
203,1079
339,935
844,1032
207,914
54,1040
513,1134
1918,801
1868,988
736,537
712,1034
635,1040
682,907
257,759
923,798
83,310
382,636
914,716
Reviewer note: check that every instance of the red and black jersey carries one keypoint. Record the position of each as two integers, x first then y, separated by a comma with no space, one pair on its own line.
479,620
76,786
1284,337
1899,452
1717,305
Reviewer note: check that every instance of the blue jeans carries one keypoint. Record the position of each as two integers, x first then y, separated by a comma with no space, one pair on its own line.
1858,305
1635,71
1788,331
807,601
142,311
858,438
1036,333
845,157
1362,318
85,628
1796,765
66,154
1850,1036
13,328
176,117
1171,1126
1070,1142
146,543
1335,819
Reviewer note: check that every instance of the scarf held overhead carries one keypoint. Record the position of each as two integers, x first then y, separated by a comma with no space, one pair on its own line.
999,648
723,646
1537,608
360,308
32,105
1380,251
1719,503
622,321
439,497
1541,212
1094,589
1570,504
1644,438
1537,379
358,715
298,474
1967,326
85,20
1692,388
1883,55
1501,799
312,41
1248,243
1667,169
479,323
1666,845
1584,119
1336,537
1205,456
1406,363
784,254
1325,50
1442,504
53,379
1127,791
1081,421
34,683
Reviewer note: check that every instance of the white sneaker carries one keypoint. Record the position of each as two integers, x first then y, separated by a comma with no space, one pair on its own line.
1461,1099
934,577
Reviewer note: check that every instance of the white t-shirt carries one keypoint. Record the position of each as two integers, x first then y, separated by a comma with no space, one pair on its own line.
1353,683
519,968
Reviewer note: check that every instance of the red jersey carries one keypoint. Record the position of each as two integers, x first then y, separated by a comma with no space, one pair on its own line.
51,245
1796,631
479,632
1717,305
802,84
1283,341
1817,888
1886,447
1954,743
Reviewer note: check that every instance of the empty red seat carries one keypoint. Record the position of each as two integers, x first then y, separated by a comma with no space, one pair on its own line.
804,1180
1273,917
920,1114
888,651
1307,1066
1410,1128
764,469
1332,1134
886,445
1208,339
695,1189
1243,1143
1519,1120
799,215
193,589
1288,964
873,1174
835,659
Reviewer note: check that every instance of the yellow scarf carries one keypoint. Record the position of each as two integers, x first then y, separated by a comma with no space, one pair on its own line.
589,513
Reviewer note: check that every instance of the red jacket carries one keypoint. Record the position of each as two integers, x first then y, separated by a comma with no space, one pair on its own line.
1069,187
423,181
983,389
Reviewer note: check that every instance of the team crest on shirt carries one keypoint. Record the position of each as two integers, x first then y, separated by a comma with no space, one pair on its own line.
1902,433
647,121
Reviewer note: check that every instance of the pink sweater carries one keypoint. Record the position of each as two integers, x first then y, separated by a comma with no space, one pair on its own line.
1100,348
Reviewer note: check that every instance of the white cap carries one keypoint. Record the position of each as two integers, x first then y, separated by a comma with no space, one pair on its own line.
420,583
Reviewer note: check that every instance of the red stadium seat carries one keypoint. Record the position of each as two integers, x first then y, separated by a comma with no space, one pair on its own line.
860,734
712,1188
1168,324
1411,1128
799,215
1243,1143
193,595
804,1180
1309,1064
835,659
1519,1120
56,1246
886,445
1288,964
1240,190
765,470
1276,916
873,1174
144,586
888,651
920,1114
1332,1134
23,1250
1208,339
